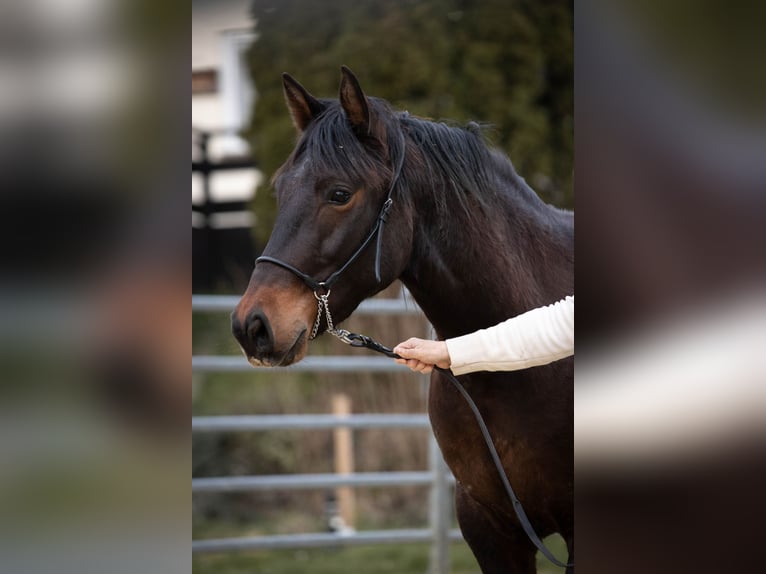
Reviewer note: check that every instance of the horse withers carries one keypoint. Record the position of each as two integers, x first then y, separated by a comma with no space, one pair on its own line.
370,195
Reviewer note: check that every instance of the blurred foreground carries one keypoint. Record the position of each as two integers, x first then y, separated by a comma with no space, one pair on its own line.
94,281
670,404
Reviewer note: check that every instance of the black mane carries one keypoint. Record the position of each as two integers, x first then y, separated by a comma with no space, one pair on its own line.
454,163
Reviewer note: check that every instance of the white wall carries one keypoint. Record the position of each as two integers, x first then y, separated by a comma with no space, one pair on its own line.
209,19
222,31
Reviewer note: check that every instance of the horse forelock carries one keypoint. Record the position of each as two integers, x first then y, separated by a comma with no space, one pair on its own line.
330,146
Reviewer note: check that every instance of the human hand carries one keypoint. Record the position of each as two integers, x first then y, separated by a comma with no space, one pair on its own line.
421,355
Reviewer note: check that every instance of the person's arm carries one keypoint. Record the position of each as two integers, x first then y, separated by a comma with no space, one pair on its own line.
537,337
534,338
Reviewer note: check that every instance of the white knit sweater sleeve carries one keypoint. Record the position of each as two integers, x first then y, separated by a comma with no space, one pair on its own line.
537,337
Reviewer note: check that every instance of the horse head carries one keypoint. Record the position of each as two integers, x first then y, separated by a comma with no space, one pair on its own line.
329,237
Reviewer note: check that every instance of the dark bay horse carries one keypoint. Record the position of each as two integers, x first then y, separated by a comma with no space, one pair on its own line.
473,244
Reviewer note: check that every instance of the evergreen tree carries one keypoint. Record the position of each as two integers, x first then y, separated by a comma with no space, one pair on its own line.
504,63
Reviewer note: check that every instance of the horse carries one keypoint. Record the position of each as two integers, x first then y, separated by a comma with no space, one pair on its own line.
370,195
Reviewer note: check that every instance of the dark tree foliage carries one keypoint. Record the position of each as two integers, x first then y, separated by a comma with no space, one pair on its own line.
505,63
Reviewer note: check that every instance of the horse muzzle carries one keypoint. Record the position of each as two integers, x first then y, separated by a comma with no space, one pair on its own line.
271,326
255,336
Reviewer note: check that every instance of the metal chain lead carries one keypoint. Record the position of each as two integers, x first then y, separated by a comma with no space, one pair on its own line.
323,305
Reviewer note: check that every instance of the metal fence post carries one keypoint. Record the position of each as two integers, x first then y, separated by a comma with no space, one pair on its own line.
440,510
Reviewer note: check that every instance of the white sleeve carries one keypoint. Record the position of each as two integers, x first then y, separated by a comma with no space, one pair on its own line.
537,337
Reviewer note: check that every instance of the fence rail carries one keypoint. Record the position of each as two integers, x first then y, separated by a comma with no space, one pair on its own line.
319,539
437,477
326,364
304,481
307,422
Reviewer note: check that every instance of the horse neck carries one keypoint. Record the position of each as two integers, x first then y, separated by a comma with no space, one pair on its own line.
470,274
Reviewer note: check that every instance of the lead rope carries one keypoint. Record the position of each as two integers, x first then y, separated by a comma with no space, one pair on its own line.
357,340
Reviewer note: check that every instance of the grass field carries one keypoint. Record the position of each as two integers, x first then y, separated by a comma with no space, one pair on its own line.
402,559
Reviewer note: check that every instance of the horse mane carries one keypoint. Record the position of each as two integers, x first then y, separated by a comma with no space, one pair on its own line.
464,173
452,162
455,164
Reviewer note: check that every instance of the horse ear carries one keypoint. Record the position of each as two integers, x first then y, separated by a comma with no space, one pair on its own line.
354,101
303,106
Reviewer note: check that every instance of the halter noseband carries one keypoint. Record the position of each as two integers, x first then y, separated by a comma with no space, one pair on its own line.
321,289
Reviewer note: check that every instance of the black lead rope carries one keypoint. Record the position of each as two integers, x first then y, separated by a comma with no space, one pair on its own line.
357,340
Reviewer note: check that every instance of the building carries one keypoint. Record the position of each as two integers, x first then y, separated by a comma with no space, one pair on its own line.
224,173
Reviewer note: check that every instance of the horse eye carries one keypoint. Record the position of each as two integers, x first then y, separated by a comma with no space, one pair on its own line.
339,197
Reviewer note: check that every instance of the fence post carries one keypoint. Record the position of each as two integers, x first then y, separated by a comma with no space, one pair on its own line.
344,458
440,510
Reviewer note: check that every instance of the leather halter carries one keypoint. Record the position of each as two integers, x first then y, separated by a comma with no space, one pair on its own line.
321,289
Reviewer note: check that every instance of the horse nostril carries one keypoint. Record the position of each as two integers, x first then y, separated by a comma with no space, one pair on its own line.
258,334
236,327
254,334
